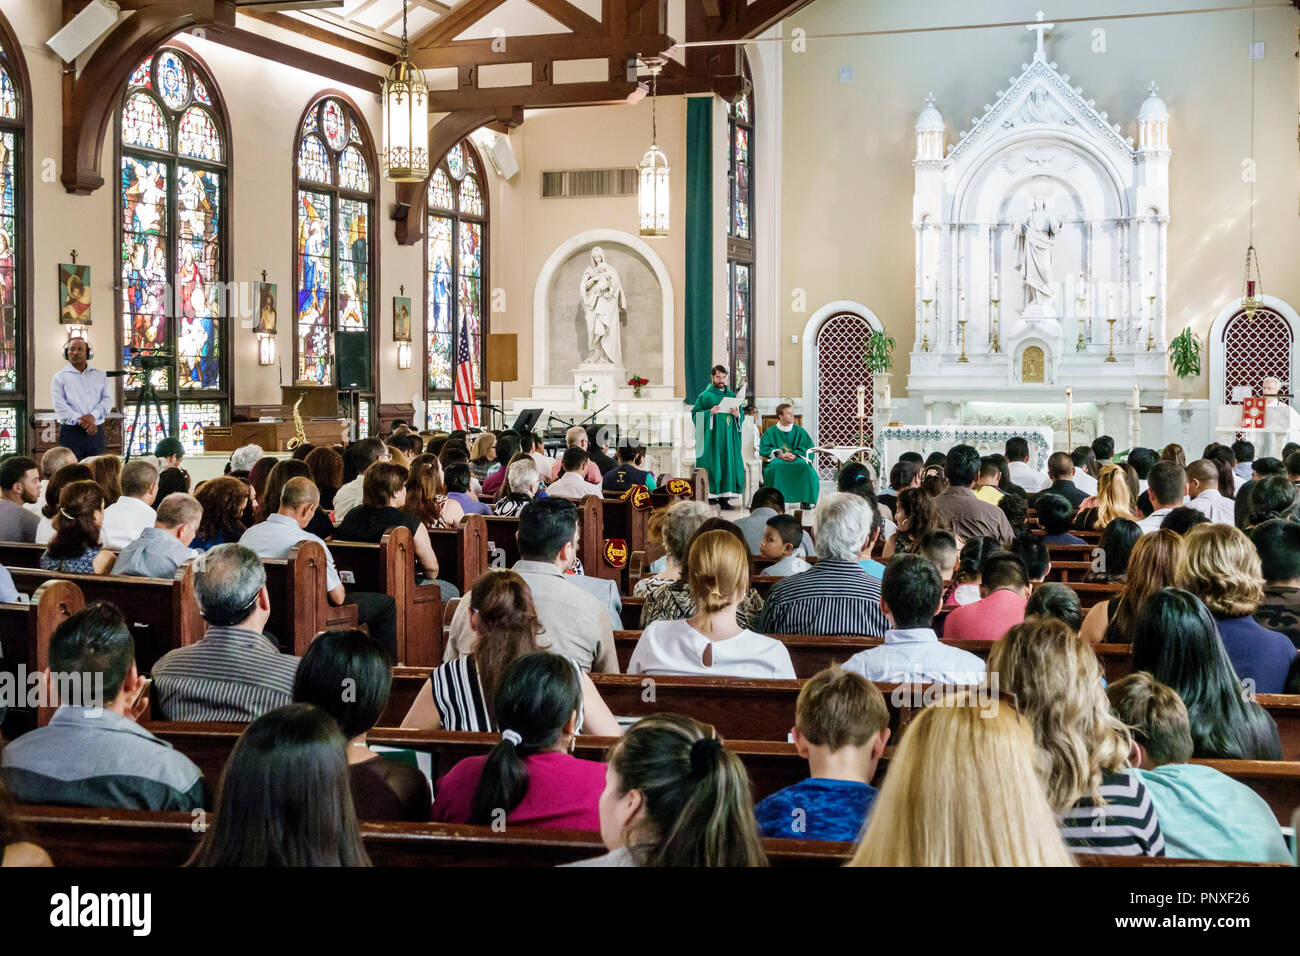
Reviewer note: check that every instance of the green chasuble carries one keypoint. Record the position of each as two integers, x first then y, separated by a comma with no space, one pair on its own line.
717,443
796,480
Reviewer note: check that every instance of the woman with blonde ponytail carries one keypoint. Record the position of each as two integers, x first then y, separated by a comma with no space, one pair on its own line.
675,796
712,641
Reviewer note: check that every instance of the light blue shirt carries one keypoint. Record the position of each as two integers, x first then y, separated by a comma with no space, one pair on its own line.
275,537
8,593
155,554
915,656
80,393
873,568
1206,815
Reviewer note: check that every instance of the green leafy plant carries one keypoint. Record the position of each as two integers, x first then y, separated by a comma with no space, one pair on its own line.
878,354
1185,354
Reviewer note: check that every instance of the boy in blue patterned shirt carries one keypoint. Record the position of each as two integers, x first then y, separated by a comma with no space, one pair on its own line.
841,728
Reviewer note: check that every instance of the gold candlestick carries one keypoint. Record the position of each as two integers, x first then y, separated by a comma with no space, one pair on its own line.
1110,357
962,357
1151,318
996,345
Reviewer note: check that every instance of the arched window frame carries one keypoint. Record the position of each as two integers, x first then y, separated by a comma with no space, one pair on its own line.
439,387
740,234
356,134
190,410
15,274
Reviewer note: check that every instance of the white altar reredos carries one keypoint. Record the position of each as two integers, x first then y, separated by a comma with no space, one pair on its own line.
1041,168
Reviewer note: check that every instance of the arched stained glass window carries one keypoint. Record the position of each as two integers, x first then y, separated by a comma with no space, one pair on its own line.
455,277
740,235
334,253
174,257
13,245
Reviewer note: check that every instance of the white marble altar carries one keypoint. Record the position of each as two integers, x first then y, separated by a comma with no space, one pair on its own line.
895,440
1037,226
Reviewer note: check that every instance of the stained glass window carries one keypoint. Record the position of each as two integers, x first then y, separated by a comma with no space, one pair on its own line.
456,232
740,235
8,429
333,245
13,228
173,253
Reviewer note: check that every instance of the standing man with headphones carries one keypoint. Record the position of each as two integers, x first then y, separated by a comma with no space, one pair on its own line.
81,401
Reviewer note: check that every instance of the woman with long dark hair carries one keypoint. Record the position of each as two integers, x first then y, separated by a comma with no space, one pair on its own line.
224,500
1117,542
1272,497
675,796
382,789
58,481
426,495
320,525
285,797
1178,643
326,466
530,779
75,547
107,470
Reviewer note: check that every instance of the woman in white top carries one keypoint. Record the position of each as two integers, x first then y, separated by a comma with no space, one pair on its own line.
712,642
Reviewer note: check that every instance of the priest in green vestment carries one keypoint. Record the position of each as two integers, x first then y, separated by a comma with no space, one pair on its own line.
717,437
785,446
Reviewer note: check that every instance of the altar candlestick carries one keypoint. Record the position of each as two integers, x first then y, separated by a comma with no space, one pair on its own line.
1137,403
1069,404
995,286
862,401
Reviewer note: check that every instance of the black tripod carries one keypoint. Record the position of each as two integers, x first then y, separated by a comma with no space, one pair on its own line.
147,401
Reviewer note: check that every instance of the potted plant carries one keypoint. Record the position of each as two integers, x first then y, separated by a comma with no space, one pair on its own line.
878,356
638,382
1185,356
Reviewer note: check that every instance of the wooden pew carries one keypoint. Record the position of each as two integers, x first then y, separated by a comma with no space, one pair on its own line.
17,554
389,568
81,837
1091,594
162,614
632,612
771,765
620,519
462,553
300,607
25,631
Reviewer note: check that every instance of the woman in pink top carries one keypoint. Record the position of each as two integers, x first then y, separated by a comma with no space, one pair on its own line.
530,773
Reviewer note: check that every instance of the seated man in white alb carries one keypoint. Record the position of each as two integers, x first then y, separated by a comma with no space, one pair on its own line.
910,595
1203,488
160,550
572,484
712,642
125,518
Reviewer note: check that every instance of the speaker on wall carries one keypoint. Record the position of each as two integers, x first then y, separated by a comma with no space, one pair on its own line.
503,357
352,359
502,157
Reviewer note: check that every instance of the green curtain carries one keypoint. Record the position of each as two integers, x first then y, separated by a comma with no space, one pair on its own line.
699,244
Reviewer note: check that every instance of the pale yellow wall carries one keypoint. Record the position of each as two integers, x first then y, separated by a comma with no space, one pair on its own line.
265,101
526,229
848,147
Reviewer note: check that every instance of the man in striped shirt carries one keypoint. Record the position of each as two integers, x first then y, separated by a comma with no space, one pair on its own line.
234,673
835,596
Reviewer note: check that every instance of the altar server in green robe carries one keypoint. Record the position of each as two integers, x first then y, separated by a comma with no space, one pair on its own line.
717,439
785,446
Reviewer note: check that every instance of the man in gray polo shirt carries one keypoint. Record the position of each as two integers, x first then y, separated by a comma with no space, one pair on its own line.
160,550
98,756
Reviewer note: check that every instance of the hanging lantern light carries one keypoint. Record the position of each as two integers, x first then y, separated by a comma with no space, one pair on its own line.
1251,302
405,96
652,198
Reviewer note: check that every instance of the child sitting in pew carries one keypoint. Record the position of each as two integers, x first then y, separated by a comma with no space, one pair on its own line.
940,549
841,726
783,543
1204,814
530,779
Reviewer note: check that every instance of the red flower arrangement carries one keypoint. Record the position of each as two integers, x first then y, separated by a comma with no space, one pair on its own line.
638,382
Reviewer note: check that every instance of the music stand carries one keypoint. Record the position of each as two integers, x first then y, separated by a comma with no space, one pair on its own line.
527,421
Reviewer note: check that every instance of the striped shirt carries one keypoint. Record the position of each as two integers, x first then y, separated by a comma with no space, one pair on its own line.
1124,825
458,695
831,597
232,674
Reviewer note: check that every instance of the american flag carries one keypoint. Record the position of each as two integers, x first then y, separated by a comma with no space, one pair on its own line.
463,416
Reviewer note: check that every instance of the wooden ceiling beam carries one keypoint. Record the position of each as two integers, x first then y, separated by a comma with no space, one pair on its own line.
461,18
91,99
745,21
555,46
573,18
257,45
322,35
534,96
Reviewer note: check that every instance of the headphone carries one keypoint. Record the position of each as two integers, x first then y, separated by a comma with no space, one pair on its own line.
90,349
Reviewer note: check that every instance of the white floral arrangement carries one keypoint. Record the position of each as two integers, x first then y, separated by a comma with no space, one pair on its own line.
587,386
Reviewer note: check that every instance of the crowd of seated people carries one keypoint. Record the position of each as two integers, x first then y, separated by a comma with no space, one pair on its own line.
1029,754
